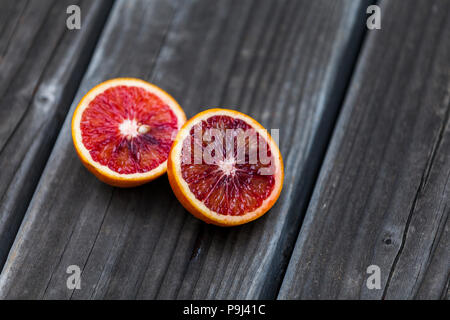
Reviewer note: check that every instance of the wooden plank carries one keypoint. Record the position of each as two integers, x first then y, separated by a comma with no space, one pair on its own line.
41,63
383,195
283,62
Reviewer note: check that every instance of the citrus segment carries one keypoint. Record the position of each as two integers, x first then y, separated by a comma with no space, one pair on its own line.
123,130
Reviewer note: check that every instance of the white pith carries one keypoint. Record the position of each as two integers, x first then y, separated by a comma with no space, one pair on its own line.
129,127
225,166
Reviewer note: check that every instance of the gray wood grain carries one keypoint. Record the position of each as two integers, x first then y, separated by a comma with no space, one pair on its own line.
41,63
285,63
383,195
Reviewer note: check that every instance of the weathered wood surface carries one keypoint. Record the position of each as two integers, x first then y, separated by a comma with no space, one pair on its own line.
285,63
383,195
41,64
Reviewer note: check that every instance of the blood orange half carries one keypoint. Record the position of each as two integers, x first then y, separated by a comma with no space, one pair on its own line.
225,168
123,130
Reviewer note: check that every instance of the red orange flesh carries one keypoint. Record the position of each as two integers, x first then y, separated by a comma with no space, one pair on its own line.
123,130
225,192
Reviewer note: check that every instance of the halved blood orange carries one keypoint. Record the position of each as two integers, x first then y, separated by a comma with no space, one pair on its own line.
123,130
221,175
